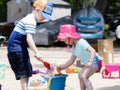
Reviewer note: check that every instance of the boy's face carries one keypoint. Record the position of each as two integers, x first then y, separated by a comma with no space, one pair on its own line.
39,17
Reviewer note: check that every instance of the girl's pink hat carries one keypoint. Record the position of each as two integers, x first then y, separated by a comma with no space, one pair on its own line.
68,31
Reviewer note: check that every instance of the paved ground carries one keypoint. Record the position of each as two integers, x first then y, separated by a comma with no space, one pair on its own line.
57,56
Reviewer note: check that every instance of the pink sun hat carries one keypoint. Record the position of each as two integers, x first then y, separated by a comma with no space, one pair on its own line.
68,31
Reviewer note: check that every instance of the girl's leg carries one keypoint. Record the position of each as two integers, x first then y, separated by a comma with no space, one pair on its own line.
85,77
82,86
24,83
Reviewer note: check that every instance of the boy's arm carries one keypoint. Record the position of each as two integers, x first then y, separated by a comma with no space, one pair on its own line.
32,45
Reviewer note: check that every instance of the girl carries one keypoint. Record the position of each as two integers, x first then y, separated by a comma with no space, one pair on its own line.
81,50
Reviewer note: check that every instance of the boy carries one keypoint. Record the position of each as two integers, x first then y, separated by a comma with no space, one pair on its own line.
21,38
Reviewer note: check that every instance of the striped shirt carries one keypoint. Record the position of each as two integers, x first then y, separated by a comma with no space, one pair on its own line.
17,40
80,51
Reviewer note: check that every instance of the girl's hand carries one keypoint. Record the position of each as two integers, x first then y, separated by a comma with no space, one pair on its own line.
88,64
58,70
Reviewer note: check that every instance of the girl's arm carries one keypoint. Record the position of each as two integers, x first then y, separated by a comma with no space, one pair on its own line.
68,63
92,54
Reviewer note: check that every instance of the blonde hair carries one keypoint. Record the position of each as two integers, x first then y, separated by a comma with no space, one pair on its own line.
39,4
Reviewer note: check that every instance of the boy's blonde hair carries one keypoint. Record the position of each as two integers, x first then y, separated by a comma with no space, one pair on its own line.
40,4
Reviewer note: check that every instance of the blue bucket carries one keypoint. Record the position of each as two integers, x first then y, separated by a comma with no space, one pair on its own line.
57,82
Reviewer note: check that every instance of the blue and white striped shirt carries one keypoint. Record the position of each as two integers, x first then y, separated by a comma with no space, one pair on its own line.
17,40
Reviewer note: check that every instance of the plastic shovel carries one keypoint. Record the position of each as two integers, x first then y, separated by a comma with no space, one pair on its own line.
46,64
47,72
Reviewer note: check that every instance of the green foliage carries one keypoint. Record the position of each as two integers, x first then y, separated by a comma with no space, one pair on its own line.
114,7
3,10
86,3
106,31
106,26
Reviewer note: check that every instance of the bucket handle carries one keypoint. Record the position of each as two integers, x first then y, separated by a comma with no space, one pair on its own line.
49,82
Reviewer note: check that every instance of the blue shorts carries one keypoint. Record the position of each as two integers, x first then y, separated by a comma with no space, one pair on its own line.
97,65
20,64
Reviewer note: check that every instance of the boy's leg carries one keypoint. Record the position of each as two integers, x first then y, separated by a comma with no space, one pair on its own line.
21,66
24,83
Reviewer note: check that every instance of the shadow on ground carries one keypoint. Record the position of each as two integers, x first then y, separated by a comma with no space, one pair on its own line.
116,87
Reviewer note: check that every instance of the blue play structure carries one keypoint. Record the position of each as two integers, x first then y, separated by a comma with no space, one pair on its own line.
89,23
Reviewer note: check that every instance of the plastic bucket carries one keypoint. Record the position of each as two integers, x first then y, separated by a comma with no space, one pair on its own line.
2,70
0,86
57,82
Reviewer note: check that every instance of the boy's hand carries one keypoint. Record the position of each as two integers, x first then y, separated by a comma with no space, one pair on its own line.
38,57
